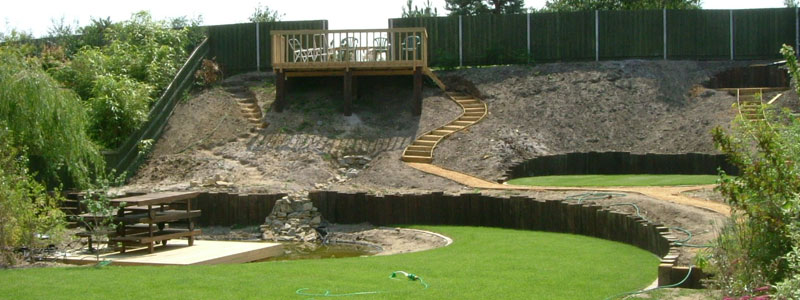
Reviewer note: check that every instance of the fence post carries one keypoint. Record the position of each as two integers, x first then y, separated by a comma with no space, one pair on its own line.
730,17
596,35
664,17
460,44
258,50
529,37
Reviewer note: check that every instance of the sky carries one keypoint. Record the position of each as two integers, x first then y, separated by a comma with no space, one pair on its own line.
37,16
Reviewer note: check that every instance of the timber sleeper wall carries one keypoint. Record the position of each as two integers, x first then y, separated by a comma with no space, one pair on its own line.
469,209
620,163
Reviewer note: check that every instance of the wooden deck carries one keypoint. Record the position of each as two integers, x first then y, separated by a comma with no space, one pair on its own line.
178,252
351,54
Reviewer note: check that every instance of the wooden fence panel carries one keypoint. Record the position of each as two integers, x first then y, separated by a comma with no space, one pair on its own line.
234,46
698,34
495,39
442,38
563,36
631,34
759,33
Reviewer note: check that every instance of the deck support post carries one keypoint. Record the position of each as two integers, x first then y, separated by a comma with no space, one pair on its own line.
348,92
416,101
280,91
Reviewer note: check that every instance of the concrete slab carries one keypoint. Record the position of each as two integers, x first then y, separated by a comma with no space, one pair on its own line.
179,253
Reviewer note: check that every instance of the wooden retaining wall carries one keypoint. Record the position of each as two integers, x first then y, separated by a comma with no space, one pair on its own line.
468,209
223,209
620,163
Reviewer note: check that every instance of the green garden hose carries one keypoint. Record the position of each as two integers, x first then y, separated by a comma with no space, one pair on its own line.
395,275
599,196
688,274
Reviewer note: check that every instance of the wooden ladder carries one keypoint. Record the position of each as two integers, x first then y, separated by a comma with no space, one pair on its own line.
474,110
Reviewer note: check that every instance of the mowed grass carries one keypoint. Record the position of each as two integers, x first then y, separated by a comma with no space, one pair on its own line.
616,180
482,263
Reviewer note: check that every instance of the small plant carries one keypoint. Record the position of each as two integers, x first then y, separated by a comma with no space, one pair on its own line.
101,214
145,146
209,73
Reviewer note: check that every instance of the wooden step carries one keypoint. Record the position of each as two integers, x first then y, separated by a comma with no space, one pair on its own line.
462,123
470,118
429,137
423,143
442,132
468,101
474,114
417,153
412,147
418,159
475,109
452,127
476,105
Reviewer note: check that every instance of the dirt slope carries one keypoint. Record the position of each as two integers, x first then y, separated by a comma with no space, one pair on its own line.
637,106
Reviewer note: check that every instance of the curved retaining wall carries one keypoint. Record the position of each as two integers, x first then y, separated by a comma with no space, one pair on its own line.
468,209
621,163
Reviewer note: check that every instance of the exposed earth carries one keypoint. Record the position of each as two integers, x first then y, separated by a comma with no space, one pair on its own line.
636,106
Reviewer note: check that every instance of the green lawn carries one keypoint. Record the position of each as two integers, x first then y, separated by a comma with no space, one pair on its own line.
483,263
616,180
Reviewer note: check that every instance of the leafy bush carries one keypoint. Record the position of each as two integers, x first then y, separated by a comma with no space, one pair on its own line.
122,68
26,209
49,122
759,246
117,108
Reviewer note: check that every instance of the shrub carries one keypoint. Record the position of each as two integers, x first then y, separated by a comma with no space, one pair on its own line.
118,107
760,244
49,122
26,209
209,73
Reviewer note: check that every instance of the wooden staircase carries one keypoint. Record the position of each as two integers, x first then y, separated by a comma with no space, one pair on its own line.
421,150
750,105
248,105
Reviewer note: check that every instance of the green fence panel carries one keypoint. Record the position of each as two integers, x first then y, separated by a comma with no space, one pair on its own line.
442,38
759,33
234,47
631,34
265,40
495,39
563,36
698,34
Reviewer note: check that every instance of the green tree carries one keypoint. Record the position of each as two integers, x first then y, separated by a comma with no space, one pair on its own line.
263,14
466,7
26,209
575,5
49,122
790,3
477,7
413,11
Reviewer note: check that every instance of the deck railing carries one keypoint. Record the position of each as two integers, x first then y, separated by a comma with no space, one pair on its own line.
345,49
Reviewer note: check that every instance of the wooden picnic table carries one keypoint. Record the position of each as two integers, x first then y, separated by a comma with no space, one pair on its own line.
159,209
